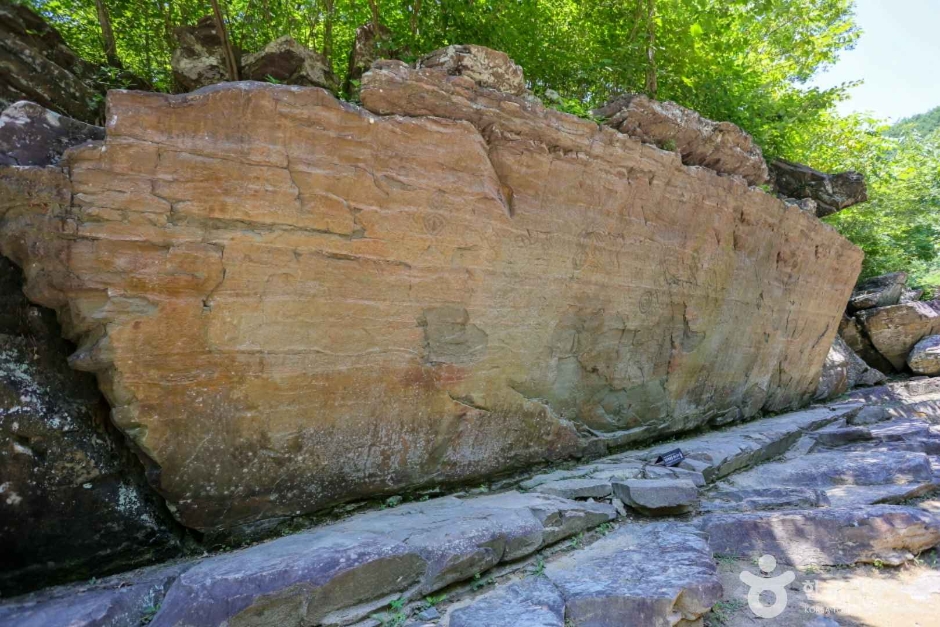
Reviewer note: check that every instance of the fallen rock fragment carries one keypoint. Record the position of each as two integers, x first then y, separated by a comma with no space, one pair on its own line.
896,329
924,358
841,436
832,192
854,335
871,414
879,291
199,58
486,67
288,62
577,488
720,146
844,370
372,42
33,135
825,537
656,575
658,497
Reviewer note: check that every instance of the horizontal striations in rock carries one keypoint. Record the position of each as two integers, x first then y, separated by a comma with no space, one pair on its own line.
291,302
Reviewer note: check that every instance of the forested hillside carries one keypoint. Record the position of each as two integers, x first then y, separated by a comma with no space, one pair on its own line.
923,124
746,61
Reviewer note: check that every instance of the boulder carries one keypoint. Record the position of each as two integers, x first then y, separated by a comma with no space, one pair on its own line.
577,488
832,192
288,62
33,135
486,67
720,146
844,370
658,497
199,58
886,534
38,66
870,415
924,358
210,277
73,499
656,575
854,336
910,296
372,42
895,330
879,291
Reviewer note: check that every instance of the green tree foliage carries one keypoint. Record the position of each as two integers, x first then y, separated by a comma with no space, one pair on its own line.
899,227
746,61
923,124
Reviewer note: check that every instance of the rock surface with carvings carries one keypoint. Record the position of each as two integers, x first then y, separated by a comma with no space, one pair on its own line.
210,278
720,146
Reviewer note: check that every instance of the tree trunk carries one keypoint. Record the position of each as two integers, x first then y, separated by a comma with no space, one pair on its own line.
328,32
374,6
231,64
107,35
651,86
414,17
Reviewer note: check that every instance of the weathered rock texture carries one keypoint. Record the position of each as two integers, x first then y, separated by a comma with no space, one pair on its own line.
36,65
34,135
199,59
843,371
832,192
721,146
924,358
879,291
372,42
71,502
894,330
487,68
288,62
291,302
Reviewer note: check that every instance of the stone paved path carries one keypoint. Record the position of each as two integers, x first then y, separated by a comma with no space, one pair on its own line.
577,546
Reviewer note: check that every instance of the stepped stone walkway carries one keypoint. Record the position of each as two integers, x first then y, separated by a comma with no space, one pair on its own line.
618,541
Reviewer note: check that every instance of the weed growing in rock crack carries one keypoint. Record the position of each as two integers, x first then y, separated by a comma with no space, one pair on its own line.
878,564
395,617
431,601
577,542
605,528
726,560
539,569
479,582
148,613
722,611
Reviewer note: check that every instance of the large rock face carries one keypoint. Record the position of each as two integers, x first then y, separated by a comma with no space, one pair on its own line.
36,65
292,302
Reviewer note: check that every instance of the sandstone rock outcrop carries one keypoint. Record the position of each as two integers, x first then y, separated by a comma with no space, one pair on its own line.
924,358
34,135
832,192
720,146
71,503
292,302
199,59
878,291
38,66
288,62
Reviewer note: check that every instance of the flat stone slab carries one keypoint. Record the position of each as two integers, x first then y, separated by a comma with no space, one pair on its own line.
125,600
577,488
658,497
748,500
533,602
890,534
651,575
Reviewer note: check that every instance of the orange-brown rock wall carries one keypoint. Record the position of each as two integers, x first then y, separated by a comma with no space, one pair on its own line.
292,302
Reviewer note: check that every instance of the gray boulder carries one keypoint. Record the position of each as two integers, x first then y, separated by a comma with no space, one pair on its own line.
199,59
911,296
844,370
33,135
832,192
288,62
851,332
719,146
658,497
577,488
879,291
870,415
924,358
486,67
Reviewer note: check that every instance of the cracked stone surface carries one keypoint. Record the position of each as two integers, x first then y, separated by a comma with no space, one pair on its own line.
291,302
533,602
